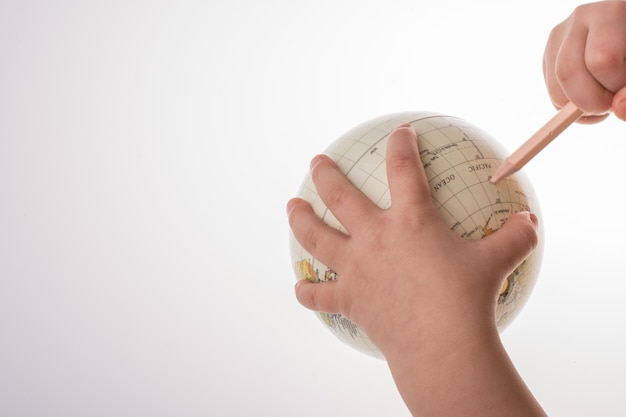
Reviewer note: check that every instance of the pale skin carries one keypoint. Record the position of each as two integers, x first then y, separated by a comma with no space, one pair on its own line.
585,61
432,315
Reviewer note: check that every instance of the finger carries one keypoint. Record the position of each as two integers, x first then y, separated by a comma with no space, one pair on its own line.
347,203
555,91
588,120
575,79
408,184
316,237
606,45
319,296
605,55
619,104
513,243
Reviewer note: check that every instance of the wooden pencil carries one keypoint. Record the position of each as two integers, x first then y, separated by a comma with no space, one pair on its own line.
564,117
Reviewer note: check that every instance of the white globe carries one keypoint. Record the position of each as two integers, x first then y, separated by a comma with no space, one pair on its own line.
459,160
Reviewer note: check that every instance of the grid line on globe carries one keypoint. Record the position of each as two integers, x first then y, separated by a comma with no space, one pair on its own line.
459,160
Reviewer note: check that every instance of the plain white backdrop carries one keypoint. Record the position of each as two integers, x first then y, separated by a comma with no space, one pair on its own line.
148,148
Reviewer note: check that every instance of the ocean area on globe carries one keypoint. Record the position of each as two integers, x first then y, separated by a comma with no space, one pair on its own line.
459,159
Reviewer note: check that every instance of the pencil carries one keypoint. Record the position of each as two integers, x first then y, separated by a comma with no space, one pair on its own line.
564,117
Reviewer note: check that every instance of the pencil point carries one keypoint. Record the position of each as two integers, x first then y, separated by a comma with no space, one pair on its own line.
503,171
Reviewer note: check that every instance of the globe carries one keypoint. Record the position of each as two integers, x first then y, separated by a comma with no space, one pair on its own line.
459,159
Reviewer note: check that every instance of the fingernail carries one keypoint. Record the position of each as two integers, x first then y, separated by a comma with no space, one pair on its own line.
300,283
290,206
316,160
408,127
619,109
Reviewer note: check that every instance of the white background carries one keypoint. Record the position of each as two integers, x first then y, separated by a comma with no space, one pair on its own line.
148,148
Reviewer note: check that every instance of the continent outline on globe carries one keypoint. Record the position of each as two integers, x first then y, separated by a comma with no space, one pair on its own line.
459,159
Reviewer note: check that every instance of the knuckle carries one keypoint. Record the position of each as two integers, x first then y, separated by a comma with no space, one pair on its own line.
402,162
529,236
310,240
604,60
334,197
563,72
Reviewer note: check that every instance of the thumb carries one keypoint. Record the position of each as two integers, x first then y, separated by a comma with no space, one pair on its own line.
318,296
514,242
619,104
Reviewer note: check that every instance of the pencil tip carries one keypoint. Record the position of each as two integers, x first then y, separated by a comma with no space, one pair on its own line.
495,178
502,172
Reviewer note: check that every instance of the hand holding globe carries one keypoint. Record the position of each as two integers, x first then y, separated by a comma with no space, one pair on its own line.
393,230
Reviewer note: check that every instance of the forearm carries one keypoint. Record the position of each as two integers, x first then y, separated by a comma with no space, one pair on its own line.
475,378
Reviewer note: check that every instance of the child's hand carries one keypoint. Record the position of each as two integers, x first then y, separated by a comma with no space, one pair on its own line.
425,296
585,60
402,269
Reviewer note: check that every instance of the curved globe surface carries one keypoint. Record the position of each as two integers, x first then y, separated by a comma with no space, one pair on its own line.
459,159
